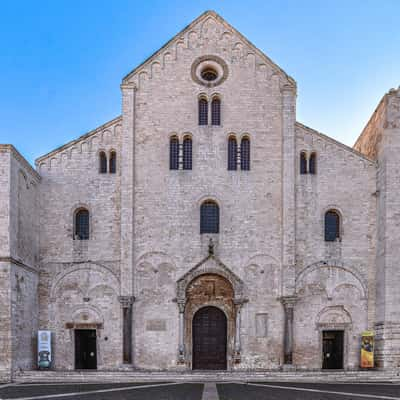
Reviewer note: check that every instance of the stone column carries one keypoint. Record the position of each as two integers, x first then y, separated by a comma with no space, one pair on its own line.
181,349
238,346
289,162
127,161
288,304
126,304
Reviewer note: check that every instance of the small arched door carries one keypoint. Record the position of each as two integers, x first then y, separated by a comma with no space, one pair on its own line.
209,339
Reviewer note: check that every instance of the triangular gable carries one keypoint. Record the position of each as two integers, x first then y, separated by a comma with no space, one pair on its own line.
200,21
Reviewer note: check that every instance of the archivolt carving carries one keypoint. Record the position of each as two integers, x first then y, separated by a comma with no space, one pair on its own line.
209,265
335,275
88,313
333,315
109,276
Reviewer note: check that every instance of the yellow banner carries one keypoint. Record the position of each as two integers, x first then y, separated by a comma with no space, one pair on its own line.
367,349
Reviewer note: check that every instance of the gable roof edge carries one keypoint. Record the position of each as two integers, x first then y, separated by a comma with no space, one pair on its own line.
336,142
82,137
229,26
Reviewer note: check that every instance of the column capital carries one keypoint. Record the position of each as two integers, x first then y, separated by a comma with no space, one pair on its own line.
288,301
126,301
128,86
239,301
289,88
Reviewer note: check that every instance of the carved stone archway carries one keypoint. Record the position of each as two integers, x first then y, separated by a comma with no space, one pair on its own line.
209,283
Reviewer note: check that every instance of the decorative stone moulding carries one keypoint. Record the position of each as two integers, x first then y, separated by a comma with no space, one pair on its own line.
209,71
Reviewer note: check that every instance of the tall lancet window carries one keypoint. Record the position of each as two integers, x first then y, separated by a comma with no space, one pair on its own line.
203,111
174,153
232,154
245,154
332,226
102,162
187,152
82,224
312,164
209,217
216,111
303,163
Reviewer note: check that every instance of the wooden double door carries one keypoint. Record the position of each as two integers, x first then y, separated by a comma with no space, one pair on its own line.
209,339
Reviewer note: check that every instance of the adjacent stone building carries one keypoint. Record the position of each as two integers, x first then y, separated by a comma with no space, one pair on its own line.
204,228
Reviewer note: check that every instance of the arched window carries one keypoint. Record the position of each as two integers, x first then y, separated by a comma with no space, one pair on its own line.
113,163
232,154
203,111
332,226
187,153
303,163
102,162
209,217
245,154
216,111
174,153
312,164
82,224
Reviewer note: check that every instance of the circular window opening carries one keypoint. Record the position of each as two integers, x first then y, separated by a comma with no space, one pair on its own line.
209,74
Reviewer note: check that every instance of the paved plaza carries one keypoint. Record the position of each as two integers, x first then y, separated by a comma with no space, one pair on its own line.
202,391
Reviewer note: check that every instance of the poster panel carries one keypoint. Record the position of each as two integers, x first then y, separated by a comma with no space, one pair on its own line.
44,349
367,349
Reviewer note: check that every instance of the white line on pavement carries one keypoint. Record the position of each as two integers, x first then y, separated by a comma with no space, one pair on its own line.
210,392
54,396
370,396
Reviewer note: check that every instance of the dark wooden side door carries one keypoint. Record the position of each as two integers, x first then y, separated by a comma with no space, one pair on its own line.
209,339
85,349
332,347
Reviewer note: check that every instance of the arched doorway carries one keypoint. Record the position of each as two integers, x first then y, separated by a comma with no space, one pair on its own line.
209,339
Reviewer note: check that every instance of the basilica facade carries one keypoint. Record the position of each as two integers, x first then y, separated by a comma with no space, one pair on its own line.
204,227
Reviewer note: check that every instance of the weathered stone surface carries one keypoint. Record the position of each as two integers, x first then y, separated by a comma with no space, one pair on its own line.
145,253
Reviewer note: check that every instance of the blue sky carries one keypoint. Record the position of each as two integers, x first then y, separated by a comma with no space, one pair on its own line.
61,62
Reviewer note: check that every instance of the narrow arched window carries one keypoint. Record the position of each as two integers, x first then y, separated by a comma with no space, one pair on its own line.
232,154
209,217
332,226
82,224
102,162
187,153
216,111
245,154
312,164
203,111
113,163
174,153
303,163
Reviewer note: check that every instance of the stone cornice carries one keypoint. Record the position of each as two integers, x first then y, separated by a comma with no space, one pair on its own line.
21,159
19,263
80,138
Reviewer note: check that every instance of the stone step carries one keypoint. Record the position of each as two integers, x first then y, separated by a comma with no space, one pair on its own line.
192,376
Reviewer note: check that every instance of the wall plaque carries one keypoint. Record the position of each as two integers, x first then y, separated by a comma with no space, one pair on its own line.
261,325
156,325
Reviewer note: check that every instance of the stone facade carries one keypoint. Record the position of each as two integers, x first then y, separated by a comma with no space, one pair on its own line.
146,269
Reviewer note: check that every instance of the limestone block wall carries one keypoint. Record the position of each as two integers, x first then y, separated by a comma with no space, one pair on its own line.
4,200
24,316
381,138
331,275
5,322
24,215
167,203
80,278
18,261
